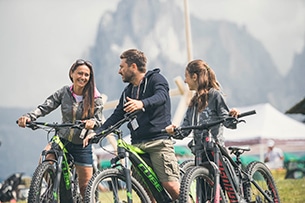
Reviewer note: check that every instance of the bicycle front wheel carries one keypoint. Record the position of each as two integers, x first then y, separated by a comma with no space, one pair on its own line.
197,185
109,185
262,177
41,188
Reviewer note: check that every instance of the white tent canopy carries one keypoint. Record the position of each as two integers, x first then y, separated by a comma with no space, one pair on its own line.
267,123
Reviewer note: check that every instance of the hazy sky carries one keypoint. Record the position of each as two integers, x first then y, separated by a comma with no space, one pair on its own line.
40,39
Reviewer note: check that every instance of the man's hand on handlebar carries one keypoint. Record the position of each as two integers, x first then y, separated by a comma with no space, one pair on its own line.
87,139
170,129
174,132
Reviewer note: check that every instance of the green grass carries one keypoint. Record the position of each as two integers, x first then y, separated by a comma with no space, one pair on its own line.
290,190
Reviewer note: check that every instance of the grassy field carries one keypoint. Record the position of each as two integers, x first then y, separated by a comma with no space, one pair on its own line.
290,190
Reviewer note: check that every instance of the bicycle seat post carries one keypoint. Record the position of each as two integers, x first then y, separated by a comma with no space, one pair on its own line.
238,160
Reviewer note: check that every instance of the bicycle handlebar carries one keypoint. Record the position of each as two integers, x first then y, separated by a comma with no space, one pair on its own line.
130,116
112,128
36,124
247,113
209,124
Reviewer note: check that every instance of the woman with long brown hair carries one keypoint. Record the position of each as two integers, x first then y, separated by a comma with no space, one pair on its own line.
208,102
79,101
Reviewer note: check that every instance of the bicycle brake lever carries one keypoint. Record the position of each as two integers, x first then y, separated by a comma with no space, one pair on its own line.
95,139
32,125
80,124
241,121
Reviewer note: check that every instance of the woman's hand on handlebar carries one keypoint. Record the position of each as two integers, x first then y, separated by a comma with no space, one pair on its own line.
23,120
234,113
87,139
89,124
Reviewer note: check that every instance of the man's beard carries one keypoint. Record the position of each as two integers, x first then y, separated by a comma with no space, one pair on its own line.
128,77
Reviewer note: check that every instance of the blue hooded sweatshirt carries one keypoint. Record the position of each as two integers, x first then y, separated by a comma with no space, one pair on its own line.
154,93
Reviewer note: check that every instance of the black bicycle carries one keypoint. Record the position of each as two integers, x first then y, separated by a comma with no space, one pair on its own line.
216,177
55,179
117,184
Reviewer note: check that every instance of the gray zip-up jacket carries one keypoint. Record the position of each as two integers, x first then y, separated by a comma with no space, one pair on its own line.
216,109
70,111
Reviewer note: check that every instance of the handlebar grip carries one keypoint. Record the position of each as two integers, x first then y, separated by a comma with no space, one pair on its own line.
28,122
248,113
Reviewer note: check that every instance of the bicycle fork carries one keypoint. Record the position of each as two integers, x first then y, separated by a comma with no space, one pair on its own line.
61,169
57,179
122,154
217,195
216,186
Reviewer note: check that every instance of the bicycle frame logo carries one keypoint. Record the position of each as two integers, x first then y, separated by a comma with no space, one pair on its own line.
141,165
146,172
150,175
227,183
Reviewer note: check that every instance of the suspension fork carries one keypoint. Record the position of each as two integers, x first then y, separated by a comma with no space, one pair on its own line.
122,154
212,149
217,176
127,173
58,177
199,185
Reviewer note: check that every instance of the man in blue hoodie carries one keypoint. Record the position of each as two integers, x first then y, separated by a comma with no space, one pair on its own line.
147,90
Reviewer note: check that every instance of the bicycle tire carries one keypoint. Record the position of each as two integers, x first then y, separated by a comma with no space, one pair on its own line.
184,166
188,186
100,188
77,197
41,188
260,173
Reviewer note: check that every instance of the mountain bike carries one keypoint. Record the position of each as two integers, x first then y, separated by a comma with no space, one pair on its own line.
55,179
217,177
117,184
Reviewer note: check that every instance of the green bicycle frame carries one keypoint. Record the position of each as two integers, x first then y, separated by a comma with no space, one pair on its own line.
62,164
147,174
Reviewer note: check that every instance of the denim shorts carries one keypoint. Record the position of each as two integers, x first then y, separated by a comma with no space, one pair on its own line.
82,156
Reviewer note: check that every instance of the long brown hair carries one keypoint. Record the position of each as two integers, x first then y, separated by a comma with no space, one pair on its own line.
89,89
206,80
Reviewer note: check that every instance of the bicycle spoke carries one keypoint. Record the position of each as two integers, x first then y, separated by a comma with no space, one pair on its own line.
110,186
